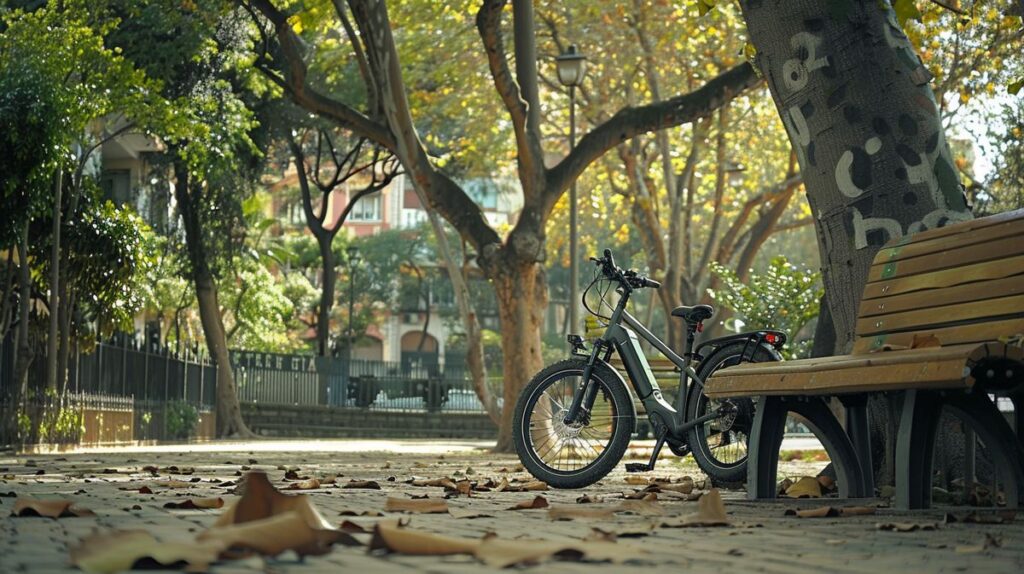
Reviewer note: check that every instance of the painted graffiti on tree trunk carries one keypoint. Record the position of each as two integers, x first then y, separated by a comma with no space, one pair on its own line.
859,172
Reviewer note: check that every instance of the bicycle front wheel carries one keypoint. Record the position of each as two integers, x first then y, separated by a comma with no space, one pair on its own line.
580,454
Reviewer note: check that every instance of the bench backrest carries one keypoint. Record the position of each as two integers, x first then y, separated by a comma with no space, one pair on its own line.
962,283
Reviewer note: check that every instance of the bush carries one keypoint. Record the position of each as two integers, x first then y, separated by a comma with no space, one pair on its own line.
181,419
783,297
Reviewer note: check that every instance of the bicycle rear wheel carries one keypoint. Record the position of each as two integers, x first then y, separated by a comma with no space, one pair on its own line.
580,454
720,445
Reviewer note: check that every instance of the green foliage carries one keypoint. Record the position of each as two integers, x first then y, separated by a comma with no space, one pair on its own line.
180,419
783,297
111,257
61,425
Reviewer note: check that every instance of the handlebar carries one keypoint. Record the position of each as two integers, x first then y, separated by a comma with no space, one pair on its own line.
628,277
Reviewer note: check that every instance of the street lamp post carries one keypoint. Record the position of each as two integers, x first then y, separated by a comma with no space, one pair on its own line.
572,67
352,259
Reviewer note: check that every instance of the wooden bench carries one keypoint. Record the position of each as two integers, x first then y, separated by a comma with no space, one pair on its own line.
939,325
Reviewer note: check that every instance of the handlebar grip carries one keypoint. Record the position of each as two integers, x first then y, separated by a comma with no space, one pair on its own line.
652,283
608,257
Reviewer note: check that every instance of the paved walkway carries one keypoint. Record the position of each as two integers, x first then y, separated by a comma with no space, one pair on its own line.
761,538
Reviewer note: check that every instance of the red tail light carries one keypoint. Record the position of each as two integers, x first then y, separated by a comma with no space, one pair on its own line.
772,338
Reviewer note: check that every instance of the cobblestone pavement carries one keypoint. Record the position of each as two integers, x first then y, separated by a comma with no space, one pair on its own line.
761,538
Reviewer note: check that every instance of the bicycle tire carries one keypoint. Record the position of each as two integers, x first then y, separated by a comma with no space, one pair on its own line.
730,465
537,429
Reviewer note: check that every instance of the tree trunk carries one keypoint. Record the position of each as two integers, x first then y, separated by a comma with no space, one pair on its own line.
323,322
53,333
24,299
855,100
522,298
856,103
228,411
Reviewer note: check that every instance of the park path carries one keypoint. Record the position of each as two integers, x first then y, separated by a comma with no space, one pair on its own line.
760,538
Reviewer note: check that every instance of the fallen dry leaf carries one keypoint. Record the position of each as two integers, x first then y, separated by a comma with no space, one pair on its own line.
368,484
640,495
494,551
907,526
805,487
537,502
446,483
121,550
587,499
363,513
467,514
311,484
54,508
196,503
521,486
419,506
821,512
710,512
269,522
637,480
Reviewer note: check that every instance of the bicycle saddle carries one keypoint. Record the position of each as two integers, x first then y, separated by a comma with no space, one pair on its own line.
694,314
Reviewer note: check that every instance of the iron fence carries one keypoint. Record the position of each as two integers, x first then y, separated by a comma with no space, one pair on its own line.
124,367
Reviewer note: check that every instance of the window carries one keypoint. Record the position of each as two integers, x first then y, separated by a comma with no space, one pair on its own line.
367,208
116,185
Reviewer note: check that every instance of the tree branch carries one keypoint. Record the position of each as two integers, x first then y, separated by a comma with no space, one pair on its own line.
631,121
294,68
488,23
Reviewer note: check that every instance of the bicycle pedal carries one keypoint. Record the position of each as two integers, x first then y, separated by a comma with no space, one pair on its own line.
638,467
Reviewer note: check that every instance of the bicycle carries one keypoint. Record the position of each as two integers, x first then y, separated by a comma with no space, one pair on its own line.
575,418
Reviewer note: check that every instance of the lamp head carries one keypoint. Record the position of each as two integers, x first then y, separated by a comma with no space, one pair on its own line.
572,67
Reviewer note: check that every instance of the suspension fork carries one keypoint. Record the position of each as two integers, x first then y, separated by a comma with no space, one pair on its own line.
586,394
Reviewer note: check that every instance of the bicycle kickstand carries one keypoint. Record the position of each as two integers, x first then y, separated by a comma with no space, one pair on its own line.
642,467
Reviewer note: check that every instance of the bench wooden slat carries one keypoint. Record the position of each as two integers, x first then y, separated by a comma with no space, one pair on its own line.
945,315
937,297
947,374
916,248
938,367
881,358
955,256
955,335
960,227
988,270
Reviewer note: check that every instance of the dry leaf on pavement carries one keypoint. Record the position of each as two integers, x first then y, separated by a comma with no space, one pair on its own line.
367,484
907,526
269,522
56,508
121,550
806,487
443,482
537,502
710,512
418,506
310,484
494,551
196,503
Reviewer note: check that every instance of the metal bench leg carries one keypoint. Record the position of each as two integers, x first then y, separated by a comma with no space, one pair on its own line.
915,446
991,427
763,447
823,422
860,435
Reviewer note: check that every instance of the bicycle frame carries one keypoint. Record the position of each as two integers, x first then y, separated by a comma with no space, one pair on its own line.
623,339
